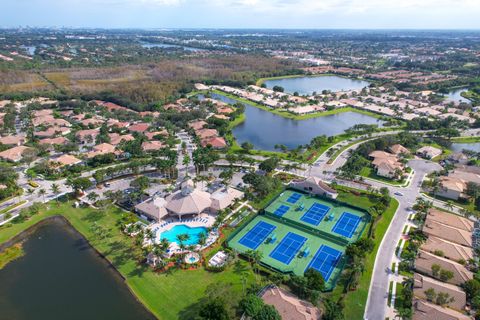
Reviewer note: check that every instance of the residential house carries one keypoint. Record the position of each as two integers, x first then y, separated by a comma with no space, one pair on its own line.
139,127
214,142
153,208
314,185
14,154
224,197
87,137
426,260
423,283
54,141
289,306
429,152
398,149
197,125
386,164
152,135
116,139
13,140
451,188
447,249
423,310
66,160
103,148
206,133
152,145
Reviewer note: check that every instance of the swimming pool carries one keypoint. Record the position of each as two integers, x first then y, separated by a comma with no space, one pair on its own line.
171,235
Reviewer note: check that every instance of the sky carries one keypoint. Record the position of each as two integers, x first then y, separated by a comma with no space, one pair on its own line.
279,14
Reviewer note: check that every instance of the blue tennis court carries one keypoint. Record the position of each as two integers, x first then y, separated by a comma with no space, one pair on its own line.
255,236
281,210
315,214
294,197
288,247
347,224
325,261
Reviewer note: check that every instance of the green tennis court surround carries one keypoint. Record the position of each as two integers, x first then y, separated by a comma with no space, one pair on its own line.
290,244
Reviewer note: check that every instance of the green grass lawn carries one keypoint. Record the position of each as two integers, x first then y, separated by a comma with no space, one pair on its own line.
390,293
398,295
10,254
175,295
355,301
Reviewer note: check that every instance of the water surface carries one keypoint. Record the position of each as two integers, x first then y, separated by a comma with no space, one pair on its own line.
149,45
62,277
458,147
456,95
265,130
308,85
193,233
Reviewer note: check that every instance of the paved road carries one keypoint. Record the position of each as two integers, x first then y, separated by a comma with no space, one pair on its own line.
378,293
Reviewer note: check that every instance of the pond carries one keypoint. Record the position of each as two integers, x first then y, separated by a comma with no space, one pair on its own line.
308,85
62,277
458,147
456,95
264,129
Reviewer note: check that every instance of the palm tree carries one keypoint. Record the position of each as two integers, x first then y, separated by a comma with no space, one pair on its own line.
42,192
181,239
164,244
92,197
150,235
449,205
254,256
55,190
374,214
202,238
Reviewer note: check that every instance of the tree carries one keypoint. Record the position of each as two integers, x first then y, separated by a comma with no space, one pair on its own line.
269,164
430,294
267,312
92,197
278,89
226,176
443,298
435,270
247,146
79,184
315,280
332,310
251,305
141,183
214,309
55,190
445,275
41,193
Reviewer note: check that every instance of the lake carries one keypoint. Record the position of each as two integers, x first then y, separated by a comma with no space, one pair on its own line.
455,95
458,147
307,85
62,277
149,45
264,129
